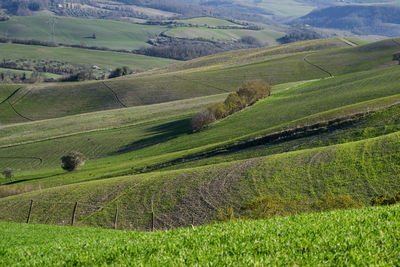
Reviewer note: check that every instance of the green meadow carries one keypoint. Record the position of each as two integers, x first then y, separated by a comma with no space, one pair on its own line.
328,132
109,33
103,59
355,237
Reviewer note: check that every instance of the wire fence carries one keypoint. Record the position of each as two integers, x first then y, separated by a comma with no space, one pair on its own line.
85,214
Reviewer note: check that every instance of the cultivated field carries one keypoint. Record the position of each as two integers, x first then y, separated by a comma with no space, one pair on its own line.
331,238
109,33
103,59
330,128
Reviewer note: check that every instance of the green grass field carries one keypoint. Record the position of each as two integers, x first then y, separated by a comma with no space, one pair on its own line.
266,37
28,73
6,90
318,96
354,237
75,98
329,129
103,59
362,170
111,34
207,21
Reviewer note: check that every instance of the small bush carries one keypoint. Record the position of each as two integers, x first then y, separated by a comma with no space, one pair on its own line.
272,206
72,161
396,56
218,109
79,76
8,173
332,202
250,40
252,91
202,119
118,72
226,214
232,103
384,200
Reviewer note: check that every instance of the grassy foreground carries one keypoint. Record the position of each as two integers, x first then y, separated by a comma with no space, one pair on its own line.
354,237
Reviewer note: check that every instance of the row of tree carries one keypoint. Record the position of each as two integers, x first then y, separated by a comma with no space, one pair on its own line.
246,95
186,49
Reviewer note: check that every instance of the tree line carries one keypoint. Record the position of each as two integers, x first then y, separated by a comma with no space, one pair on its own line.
246,95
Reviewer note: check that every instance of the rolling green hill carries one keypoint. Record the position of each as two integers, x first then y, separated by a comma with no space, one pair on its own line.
362,170
103,59
330,127
207,21
276,68
265,37
111,34
355,237
327,137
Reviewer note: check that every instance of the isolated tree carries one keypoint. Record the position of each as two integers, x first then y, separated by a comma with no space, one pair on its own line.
8,173
72,161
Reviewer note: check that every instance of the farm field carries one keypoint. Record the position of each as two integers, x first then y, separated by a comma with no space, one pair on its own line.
326,138
265,116
332,238
179,195
6,90
103,59
261,116
175,85
207,21
109,33
267,154
266,37
29,73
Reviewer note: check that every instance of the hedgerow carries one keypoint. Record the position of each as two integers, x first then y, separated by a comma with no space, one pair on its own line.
246,95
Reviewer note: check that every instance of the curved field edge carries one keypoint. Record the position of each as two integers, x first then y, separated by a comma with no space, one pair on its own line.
124,164
360,169
366,236
181,85
99,121
279,109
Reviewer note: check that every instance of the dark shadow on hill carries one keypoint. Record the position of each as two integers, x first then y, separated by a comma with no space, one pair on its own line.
159,134
33,179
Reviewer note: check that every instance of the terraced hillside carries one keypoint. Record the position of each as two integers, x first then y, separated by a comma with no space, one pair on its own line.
330,127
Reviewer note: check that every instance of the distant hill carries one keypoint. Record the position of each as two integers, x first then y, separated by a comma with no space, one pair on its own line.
369,19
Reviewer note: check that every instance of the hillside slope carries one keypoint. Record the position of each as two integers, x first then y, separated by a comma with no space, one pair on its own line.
362,170
75,98
361,19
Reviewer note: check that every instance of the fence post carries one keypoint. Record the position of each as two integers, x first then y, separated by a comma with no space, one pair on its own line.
29,212
116,218
152,216
73,214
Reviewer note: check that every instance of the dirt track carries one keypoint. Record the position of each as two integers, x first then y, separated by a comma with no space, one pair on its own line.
207,198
